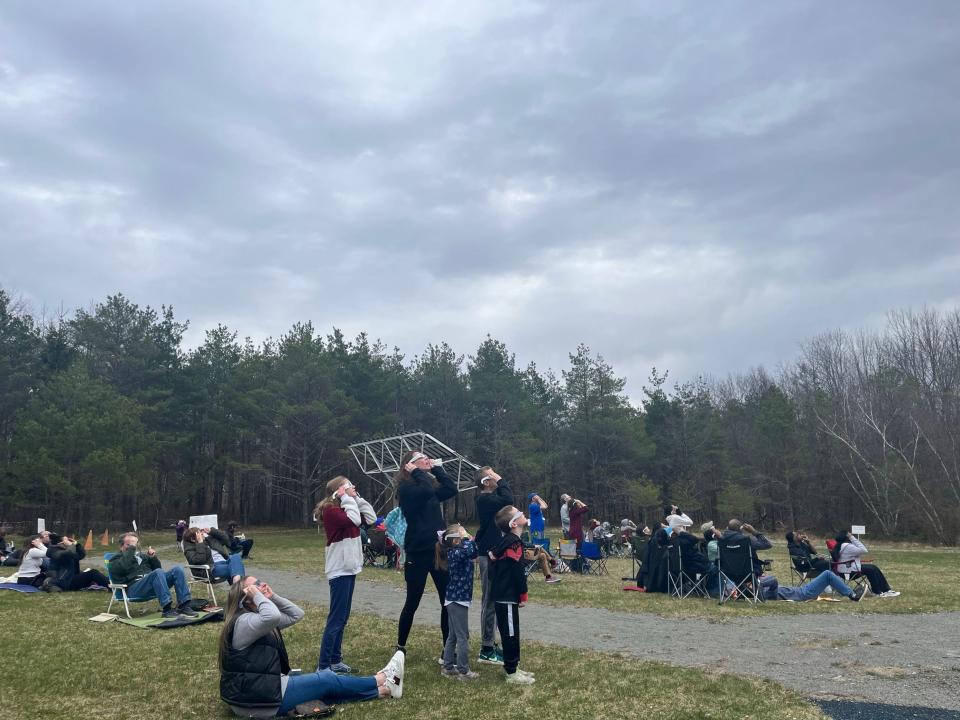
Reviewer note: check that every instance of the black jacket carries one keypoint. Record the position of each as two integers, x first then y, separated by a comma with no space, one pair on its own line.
654,569
488,505
65,561
250,677
693,559
201,553
508,581
419,499
757,540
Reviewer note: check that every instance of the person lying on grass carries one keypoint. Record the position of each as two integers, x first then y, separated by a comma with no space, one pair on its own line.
255,679
812,589
141,572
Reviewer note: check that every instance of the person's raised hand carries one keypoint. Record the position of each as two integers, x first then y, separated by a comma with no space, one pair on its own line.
410,467
150,551
747,528
250,590
266,590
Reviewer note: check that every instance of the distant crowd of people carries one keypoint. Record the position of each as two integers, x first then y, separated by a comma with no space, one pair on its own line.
256,678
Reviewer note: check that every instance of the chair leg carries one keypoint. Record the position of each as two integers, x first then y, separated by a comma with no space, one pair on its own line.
126,605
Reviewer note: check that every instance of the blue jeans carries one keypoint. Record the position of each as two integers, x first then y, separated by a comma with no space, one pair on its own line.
233,566
241,546
157,584
341,599
812,589
326,685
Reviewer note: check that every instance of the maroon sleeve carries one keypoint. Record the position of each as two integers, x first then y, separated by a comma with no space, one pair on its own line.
336,523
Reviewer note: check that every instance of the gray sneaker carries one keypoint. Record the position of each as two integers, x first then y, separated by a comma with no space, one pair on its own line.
468,675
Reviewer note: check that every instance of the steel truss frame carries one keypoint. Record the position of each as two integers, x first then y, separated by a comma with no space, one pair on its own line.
379,460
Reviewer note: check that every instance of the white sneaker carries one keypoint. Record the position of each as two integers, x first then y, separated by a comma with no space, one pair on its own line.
394,672
889,594
524,672
519,678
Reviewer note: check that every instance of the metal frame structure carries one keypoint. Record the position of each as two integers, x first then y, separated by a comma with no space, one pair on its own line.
379,460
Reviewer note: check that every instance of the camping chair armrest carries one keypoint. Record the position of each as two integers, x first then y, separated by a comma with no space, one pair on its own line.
117,586
201,572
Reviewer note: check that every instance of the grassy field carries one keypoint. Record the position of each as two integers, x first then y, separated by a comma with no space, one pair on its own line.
63,667
924,575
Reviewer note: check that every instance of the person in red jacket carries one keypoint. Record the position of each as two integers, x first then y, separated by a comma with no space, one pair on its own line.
577,510
508,585
341,513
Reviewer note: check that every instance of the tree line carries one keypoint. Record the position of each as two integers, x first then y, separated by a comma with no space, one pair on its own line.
104,415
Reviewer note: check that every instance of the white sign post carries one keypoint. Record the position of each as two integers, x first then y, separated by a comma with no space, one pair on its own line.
858,530
41,525
203,521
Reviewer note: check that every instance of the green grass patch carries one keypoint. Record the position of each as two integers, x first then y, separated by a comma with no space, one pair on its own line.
69,668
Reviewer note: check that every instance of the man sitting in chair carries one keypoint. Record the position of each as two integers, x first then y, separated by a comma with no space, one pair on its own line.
739,532
144,578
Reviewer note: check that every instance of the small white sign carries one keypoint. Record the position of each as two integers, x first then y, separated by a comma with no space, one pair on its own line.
203,521
135,526
858,530
41,525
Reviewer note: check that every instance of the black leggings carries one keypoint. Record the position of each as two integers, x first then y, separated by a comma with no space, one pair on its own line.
415,570
81,580
878,582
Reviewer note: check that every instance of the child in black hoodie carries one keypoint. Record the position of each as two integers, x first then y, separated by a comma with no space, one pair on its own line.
508,584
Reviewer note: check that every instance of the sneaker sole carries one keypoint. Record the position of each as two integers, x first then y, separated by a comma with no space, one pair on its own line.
485,661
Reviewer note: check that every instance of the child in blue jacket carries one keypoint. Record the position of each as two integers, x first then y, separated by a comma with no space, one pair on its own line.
456,553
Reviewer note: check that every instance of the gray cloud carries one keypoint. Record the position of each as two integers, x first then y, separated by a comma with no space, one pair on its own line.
696,186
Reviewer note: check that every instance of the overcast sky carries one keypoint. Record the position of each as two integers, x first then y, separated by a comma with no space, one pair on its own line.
697,186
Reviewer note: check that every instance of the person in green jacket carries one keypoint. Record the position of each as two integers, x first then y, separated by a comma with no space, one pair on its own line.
141,573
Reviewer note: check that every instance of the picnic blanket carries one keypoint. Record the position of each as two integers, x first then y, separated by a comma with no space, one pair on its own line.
157,621
18,588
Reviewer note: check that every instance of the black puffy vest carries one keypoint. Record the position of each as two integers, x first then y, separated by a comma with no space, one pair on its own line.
251,677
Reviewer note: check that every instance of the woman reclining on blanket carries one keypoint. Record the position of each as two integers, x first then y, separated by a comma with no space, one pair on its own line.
255,677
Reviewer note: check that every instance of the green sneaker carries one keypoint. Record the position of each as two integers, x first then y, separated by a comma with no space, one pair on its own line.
491,657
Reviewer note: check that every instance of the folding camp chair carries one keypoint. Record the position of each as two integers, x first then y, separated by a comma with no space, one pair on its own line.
736,566
570,557
203,575
118,591
374,547
801,570
855,580
681,584
592,554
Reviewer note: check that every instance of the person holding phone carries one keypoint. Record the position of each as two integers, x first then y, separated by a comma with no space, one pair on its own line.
144,577
422,485
341,512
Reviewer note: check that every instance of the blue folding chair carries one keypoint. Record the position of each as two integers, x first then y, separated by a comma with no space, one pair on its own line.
598,563
118,591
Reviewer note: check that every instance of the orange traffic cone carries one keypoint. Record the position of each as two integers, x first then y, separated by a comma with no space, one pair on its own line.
105,539
88,545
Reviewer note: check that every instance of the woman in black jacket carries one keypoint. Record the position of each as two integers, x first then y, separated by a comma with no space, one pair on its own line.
419,498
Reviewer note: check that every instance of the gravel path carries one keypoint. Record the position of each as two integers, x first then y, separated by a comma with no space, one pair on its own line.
906,660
